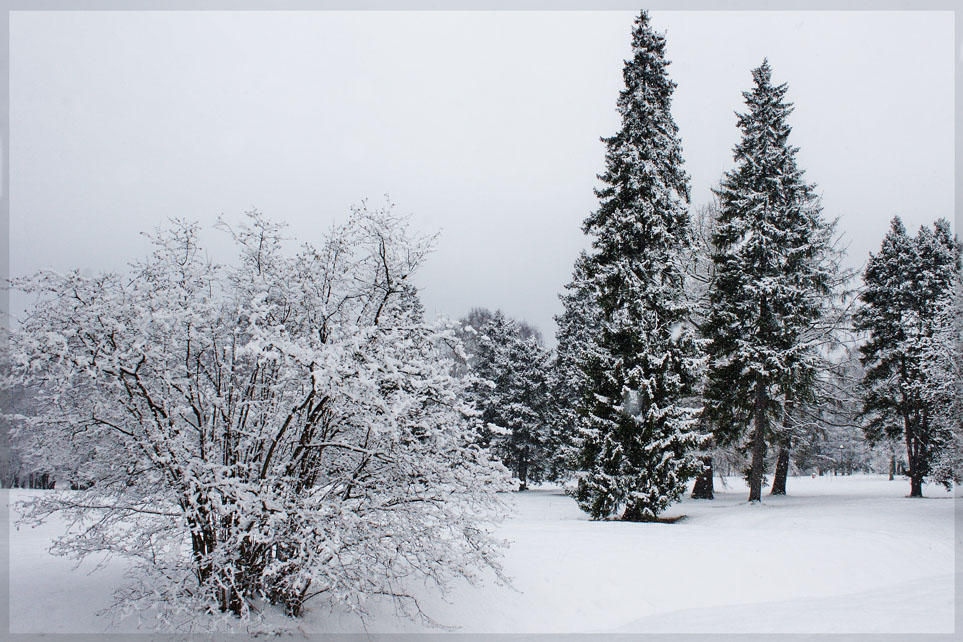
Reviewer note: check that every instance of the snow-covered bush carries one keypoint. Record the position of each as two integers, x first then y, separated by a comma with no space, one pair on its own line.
261,433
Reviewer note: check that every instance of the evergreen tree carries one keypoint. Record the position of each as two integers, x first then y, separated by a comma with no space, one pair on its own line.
636,431
771,278
943,357
513,397
576,334
905,283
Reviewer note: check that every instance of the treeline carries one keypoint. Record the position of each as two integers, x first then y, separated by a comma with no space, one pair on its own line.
732,333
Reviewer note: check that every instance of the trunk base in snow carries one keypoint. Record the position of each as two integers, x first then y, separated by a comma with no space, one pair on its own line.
652,520
703,487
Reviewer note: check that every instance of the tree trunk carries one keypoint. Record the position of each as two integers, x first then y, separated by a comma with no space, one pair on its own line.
758,445
892,467
782,471
703,486
523,470
916,486
916,479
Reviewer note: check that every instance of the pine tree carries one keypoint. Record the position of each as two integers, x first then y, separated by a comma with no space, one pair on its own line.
636,431
527,449
770,281
905,283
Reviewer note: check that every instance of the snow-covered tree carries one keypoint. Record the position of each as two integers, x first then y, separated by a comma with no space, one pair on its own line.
943,368
578,328
469,328
826,398
824,430
771,279
905,285
700,268
282,429
637,429
512,393
700,273
19,468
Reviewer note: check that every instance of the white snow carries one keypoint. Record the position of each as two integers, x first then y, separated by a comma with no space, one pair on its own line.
838,555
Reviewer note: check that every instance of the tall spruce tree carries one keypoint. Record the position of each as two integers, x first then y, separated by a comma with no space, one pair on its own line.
905,283
637,431
771,278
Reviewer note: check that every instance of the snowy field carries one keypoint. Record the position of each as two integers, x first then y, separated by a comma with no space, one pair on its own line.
839,555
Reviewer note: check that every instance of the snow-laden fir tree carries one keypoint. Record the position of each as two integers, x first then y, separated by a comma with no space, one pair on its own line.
637,426
905,283
513,397
771,278
943,367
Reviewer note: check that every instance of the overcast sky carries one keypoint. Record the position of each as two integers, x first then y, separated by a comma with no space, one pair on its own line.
485,125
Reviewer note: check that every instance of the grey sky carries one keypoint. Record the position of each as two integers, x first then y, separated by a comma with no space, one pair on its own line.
483,124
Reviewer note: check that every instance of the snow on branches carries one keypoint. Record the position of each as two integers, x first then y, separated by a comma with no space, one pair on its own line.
512,394
774,278
260,433
636,427
943,368
908,282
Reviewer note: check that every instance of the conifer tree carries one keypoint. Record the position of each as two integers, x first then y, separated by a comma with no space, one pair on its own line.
576,334
636,429
513,397
905,283
771,278
943,359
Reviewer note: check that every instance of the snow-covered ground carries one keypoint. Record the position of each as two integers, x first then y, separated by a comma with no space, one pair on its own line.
839,555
